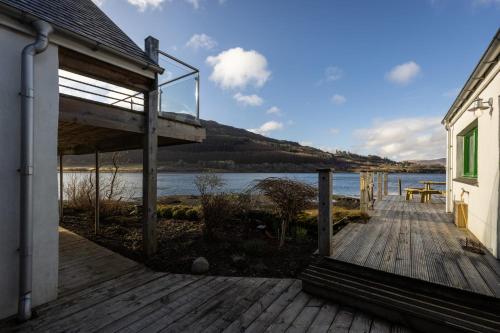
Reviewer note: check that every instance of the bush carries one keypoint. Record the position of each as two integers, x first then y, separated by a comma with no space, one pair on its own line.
290,198
164,212
302,234
192,214
255,247
179,213
216,205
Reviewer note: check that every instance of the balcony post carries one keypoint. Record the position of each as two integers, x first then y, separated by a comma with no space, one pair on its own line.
61,189
149,160
325,209
97,198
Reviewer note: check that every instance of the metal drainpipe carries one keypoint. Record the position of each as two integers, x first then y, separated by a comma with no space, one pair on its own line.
43,30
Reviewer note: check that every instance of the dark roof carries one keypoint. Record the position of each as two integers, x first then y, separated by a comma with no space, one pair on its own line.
84,18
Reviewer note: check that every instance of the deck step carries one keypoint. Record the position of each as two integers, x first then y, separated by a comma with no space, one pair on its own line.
417,304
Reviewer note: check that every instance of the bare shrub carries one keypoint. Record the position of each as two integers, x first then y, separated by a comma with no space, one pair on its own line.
80,192
290,198
216,205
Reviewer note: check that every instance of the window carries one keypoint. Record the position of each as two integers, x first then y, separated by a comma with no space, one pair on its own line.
470,153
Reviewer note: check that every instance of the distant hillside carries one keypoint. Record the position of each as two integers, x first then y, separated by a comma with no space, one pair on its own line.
437,161
233,149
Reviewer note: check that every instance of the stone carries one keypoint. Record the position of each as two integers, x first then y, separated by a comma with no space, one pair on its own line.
239,261
200,266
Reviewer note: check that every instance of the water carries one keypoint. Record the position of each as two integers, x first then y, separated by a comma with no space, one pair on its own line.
183,183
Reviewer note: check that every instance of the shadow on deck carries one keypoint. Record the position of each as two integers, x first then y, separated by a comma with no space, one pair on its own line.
408,264
100,290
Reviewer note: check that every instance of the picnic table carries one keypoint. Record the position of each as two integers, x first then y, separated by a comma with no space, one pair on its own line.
428,191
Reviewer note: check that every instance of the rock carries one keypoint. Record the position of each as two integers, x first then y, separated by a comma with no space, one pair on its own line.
239,261
200,266
260,267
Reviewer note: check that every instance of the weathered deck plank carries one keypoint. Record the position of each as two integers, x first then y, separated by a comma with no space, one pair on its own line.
418,240
128,297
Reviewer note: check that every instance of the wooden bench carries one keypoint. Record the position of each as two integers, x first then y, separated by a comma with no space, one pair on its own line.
412,190
425,195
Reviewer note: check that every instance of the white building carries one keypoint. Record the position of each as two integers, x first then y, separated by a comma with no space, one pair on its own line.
106,100
473,147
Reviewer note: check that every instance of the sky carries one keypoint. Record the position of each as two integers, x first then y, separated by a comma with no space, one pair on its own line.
370,77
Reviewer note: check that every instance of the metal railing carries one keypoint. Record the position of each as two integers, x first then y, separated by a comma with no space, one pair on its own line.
179,87
87,88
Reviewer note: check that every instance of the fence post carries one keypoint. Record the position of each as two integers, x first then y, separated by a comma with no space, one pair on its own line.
371,177
386,183
399,186
325,209
363,204
379,185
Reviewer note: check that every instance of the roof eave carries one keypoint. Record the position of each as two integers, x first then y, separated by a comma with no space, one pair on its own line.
485,64
91,43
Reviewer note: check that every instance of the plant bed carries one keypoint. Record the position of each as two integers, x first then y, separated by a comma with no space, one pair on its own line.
241,248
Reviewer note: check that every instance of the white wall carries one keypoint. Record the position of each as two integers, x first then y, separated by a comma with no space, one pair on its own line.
483,197
45,252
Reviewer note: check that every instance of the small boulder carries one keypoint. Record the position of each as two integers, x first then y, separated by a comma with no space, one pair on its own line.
239,261
200,266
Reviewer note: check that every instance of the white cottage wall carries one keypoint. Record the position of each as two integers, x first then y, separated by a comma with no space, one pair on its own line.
482,198
45,212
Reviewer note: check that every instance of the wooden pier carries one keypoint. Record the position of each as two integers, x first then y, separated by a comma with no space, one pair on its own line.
101,291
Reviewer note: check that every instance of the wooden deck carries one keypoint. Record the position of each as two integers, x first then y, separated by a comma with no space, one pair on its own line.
105,292
417,240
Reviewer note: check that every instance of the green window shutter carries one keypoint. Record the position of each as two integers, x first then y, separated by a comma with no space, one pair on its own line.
470,153
475,152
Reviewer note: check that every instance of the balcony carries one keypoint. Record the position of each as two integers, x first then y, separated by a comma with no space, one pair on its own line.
95,114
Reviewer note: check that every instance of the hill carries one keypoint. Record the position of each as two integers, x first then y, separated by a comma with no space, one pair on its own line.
228,148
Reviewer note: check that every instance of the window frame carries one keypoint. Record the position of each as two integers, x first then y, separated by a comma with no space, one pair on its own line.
466,171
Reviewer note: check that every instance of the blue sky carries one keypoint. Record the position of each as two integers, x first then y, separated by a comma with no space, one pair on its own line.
373,77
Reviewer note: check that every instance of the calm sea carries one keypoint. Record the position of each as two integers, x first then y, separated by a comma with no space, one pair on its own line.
183,183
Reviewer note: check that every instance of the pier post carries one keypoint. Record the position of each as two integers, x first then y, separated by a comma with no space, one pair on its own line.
325,209
379,185
97,190
399,186
371,186
386,183
363,203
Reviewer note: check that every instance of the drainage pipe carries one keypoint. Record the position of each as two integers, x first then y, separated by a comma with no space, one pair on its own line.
43,30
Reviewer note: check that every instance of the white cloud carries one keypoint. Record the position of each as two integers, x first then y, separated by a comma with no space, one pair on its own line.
267,127
194,3
305,143
404,138
333,73
201,41
142,5
338,99
237,68
334,131
404,73
274,110
251,100
485,2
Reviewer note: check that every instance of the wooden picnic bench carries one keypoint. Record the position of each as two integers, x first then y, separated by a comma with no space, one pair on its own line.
425,194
